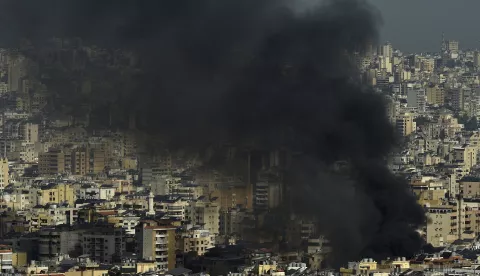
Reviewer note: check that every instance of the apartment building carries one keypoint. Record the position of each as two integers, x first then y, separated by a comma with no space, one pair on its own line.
51,162
435,95
198,240
4,177
439,230
405,124
268,193
465,156
57,193
205,213
156,243
458,220
56,242
51,215
125,221
6,260
104,244
174,207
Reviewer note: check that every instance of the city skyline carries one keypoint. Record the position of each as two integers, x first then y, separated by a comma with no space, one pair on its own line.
239,138
417,26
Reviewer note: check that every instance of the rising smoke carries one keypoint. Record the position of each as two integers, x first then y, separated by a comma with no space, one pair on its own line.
272,73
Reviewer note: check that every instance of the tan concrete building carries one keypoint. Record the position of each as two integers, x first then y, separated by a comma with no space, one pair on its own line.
85,160
30,132
130,144
57,193
96,161
435,95
129,163
6,260
4,177
174,207
452,46
79,162
470,187
447,223
197,240
465,156
88,272
265,267
231,195
138,267
476,59
51,162
156,243
405,124
19,260
206,214
439,226
427,64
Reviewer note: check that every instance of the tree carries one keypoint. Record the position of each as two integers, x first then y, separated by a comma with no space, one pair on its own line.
442,134
471,124
462,119
421,121
76,251
189,258
220,268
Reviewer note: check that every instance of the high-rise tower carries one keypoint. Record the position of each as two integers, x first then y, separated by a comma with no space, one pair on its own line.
444,43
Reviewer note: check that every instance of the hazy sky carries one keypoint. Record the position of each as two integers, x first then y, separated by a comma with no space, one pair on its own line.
417,25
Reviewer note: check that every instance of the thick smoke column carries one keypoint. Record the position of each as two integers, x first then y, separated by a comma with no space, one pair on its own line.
275,73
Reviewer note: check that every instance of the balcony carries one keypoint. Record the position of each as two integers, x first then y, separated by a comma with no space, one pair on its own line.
160,250
6,263
160,241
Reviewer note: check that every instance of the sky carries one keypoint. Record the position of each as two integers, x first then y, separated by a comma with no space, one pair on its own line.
417,25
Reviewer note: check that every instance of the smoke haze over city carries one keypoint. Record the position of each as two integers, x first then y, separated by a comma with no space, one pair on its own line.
274,74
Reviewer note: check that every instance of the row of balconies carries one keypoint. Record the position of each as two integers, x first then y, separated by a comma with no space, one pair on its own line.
161,259
161,241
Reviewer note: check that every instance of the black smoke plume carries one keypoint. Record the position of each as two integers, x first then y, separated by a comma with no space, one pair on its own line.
268,74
